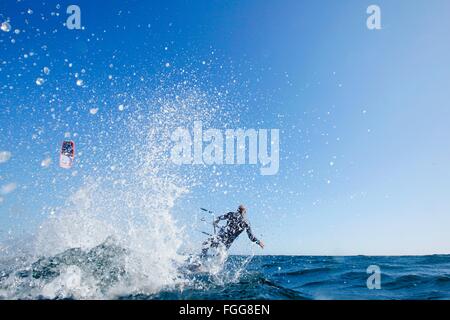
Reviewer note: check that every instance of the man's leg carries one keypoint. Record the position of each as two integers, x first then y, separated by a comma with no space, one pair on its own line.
205,247
212,242
209,243
228,243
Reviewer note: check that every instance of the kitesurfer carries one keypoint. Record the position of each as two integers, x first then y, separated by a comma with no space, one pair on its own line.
236,223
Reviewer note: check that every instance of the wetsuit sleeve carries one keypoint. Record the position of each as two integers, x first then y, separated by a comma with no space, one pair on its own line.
250,234
222,217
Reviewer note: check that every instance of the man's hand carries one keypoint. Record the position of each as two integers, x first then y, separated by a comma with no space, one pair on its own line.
261,244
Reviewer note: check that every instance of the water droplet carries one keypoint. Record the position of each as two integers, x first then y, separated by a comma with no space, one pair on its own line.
6,27
46,162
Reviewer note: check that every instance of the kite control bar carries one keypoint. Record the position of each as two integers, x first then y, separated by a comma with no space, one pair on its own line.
210,212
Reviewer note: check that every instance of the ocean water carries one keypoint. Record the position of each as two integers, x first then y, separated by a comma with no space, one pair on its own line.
326,277
102,273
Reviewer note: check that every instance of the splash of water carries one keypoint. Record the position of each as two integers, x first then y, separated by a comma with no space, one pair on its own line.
128,207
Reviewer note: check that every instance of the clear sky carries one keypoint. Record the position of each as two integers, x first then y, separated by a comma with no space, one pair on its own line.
363,114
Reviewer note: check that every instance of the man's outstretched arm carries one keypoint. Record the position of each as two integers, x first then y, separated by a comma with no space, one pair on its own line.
252,237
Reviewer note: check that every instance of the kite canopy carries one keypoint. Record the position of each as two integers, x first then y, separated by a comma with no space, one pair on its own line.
67,154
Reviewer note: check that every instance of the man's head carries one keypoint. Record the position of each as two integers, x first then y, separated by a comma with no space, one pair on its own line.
242,209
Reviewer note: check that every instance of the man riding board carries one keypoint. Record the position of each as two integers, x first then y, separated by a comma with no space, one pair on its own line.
236,223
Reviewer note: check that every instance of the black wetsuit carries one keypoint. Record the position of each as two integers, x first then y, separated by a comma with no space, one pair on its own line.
236,223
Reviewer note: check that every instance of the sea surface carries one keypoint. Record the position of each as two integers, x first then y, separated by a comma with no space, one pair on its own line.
101,273
316,277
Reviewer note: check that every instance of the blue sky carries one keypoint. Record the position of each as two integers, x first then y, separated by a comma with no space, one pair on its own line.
363,113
